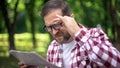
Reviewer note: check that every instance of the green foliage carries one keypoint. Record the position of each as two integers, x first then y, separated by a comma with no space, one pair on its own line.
88,12
21,23
93,12
2,28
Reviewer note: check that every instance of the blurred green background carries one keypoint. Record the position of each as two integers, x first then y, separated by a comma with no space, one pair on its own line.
21,26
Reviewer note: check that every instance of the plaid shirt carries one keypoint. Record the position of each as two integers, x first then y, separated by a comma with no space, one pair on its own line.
92,50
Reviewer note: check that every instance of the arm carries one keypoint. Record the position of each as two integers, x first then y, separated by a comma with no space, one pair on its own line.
98,47
96,43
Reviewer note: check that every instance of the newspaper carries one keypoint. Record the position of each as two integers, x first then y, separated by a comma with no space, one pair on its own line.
31,58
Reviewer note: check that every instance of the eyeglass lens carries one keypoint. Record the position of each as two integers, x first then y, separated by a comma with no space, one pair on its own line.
55,26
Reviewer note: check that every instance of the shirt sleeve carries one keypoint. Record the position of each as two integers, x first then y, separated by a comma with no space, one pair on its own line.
98,47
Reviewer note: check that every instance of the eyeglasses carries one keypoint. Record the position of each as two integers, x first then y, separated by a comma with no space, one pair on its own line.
55,26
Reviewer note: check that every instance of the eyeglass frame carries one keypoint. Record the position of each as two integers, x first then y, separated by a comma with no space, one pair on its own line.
51,27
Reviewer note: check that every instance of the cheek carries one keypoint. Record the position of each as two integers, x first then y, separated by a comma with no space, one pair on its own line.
51,34
64,30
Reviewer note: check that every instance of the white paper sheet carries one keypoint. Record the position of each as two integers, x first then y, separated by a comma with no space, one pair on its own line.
31,58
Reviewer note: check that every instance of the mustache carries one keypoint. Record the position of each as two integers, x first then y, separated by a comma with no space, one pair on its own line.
58,34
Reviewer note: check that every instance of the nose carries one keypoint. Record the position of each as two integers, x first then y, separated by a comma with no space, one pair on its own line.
54,31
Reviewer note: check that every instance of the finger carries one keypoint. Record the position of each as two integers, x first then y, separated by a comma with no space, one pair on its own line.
62,18
31,67
59,16
20,63
23,66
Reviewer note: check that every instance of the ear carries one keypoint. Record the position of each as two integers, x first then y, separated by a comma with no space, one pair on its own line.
72,15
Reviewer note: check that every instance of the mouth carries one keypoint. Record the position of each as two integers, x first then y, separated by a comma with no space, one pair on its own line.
59,37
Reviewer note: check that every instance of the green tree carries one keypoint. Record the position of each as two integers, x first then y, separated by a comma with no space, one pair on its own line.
30,5
114,17
10,25
103,12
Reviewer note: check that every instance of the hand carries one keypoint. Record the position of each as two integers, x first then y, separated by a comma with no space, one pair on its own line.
70,24
22,65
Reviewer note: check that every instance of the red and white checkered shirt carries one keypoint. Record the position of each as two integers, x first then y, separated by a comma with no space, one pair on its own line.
92,50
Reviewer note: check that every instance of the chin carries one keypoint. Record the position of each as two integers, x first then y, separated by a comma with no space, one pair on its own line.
60,41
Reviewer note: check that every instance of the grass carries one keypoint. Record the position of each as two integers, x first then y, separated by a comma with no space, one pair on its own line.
23,42
8,62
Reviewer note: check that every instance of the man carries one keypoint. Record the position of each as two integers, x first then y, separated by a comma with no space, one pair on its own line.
75,46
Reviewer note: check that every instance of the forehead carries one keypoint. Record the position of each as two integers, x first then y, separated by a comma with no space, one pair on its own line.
51,17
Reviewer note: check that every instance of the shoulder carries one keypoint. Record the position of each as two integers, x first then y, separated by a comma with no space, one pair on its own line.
53,44
92,31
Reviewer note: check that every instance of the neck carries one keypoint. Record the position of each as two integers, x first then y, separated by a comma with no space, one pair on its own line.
70,39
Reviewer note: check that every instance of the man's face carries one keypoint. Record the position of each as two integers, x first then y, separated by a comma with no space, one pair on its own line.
59,33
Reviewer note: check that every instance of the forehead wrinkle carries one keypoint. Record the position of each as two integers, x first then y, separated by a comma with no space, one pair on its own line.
51,17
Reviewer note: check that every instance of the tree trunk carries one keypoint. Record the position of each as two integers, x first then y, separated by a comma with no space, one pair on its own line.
30,11
33,31
106,15
118,33
113,15
11,39
10,25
